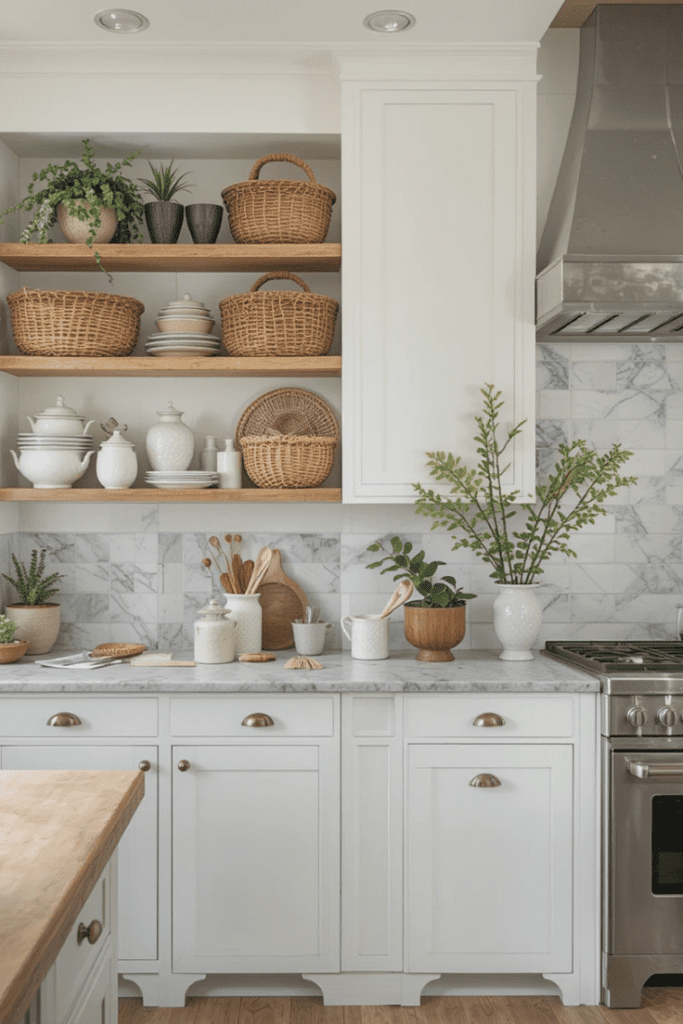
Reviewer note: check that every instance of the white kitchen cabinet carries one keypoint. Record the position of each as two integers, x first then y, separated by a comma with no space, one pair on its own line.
438,174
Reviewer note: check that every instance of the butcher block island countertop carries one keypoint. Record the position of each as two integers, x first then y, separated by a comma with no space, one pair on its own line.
59,829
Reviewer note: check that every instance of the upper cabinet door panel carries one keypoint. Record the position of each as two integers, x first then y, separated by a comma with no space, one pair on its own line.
438,263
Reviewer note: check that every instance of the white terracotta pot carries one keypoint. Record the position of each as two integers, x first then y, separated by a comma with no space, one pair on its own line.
39,624
76,230
517,620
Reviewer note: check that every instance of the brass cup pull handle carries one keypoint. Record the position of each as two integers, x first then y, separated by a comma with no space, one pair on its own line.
91,932
64,718
183,766
485,780
488,719
144,766
258,720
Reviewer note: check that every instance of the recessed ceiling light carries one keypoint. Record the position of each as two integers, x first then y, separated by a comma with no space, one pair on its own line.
389,21
116,19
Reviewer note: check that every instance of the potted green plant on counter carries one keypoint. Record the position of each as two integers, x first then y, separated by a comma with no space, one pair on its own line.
36,617
91,205
164,216
478,515
436,622
10,649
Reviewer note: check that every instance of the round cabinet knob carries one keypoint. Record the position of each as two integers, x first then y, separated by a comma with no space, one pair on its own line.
485,780
636,716
258,720
666,716
183,766
91,932
144,766
488,719
64,718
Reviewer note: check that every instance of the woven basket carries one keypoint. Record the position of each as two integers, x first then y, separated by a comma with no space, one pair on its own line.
288,460
289,411
74,323
278,323
278,211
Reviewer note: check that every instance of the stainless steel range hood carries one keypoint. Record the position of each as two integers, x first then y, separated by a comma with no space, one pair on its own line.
611,257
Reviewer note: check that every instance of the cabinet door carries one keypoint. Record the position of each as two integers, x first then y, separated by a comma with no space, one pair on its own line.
137,851
256,858
438,256
489,879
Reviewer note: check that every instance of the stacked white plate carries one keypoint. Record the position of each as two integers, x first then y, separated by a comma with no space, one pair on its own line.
168,479
54,442
182,344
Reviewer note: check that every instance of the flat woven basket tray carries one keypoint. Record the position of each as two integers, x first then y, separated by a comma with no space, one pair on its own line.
117,650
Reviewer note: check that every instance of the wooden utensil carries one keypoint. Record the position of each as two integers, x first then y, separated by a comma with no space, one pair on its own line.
247,569
237,563
214,542
226,583
260,569
399,597
282,600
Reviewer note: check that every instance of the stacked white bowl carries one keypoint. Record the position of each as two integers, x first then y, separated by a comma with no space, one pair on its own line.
184,329
57,451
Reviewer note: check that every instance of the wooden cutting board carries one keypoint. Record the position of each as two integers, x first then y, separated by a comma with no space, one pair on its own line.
282,601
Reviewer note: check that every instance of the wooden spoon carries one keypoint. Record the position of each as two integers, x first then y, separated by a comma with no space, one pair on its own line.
399,597
214,542
237,562
226,584
247,569
261,567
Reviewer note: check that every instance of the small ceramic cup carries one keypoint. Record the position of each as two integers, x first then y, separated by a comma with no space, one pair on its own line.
369,636
309,637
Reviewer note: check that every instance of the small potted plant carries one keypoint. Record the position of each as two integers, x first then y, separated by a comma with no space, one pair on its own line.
91,205
164,216
10,649
36,617
436,623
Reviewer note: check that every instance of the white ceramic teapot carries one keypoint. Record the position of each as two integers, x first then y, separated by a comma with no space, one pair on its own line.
59,419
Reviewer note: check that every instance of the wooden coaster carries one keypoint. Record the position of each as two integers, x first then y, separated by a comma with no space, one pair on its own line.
117,650
257,657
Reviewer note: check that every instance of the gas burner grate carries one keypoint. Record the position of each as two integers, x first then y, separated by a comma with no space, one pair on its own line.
619,655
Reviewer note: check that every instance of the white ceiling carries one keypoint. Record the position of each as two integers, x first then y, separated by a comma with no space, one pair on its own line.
256,21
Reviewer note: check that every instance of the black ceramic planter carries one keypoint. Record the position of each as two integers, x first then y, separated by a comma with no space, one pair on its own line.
164,221
204,222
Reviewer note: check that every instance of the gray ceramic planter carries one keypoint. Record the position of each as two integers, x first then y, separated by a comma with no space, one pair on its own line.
204,222
164,221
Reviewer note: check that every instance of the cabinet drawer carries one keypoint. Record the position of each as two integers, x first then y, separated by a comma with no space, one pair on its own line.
76,959
454,714
224,716
98,716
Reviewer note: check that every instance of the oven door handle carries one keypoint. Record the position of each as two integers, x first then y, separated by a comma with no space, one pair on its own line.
650,771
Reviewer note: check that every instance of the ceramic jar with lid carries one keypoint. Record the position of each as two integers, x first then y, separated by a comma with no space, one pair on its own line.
170,443
247,614
214,635
59,419
117,464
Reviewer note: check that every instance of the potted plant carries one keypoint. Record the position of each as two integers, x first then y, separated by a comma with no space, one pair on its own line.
10,649
436,623
91,205
36,617
479,514
164,217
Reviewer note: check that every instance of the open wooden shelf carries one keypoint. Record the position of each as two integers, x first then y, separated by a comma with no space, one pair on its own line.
167,366
172,259
155,495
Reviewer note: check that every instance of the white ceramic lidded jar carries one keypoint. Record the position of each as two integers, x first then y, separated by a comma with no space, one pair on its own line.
59,419
214,635
117,464
170,443
247,614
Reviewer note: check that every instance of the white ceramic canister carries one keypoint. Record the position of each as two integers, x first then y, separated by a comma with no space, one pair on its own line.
369,636
170,443
215,635
229,464
245,611
116,465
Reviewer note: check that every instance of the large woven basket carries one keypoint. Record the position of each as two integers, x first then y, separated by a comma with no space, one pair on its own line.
288,460
58,323
277,210
281,323
287,411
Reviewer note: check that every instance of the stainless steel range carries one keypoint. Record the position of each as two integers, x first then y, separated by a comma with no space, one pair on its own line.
642,765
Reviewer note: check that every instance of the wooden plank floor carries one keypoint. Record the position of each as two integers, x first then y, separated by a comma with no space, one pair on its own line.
660,1006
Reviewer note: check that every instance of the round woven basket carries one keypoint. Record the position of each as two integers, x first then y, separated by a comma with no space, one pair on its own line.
281,323
47,323
288,461
291,411
278,210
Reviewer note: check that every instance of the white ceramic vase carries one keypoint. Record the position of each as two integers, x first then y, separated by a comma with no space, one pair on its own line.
38,623
247,614
517,620
170,443
116,465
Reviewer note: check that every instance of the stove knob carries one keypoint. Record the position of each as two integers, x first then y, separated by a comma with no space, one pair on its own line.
666,716
637,716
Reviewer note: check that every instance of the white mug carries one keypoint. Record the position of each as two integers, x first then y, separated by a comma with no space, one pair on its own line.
309,637
369,636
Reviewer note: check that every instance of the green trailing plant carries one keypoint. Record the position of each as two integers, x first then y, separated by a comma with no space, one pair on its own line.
165,182
480,514
442,594
7,630
32,585
85,190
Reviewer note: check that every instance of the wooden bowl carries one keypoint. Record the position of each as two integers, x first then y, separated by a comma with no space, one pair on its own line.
13,651
434,630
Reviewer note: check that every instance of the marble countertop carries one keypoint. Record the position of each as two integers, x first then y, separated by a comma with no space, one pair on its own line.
479,671
59,829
